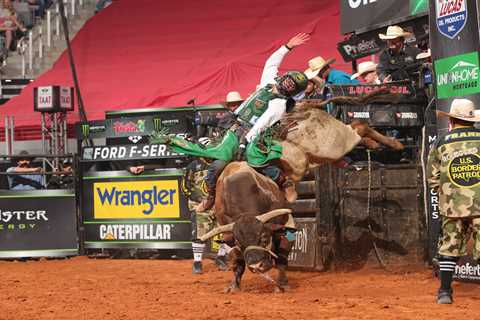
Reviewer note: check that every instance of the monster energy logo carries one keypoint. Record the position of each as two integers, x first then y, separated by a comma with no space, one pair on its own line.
157,124
85,130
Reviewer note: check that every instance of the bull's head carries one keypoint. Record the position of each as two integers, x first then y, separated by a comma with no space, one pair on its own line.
253,236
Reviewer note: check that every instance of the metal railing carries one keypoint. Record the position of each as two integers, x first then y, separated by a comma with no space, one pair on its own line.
44,38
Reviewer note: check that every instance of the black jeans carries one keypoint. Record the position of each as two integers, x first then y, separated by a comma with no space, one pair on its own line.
214,170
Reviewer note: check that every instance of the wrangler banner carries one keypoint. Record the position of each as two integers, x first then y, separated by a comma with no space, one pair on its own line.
146,211
38,223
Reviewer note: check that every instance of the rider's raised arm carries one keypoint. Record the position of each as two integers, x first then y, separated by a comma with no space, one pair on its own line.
274,113
270,70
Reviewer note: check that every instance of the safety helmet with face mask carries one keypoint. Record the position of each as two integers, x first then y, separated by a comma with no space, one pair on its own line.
291,83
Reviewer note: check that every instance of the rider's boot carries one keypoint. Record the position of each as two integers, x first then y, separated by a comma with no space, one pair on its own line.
208,202
288,188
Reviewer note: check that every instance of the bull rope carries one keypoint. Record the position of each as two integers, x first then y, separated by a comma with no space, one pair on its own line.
369,195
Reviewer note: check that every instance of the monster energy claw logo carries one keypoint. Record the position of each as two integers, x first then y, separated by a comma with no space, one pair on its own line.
157,124
85,130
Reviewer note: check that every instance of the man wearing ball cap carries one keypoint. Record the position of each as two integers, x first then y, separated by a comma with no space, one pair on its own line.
453,170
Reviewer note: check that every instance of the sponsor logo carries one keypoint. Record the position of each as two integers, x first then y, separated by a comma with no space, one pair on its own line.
451,16
85,130
21,219
300,246
418,6
354,4
457,75
157,124
136,199
129,127
467,271
407,115
135,139
434,204
359,115
135,232
362,90
464,171
360,49
146,151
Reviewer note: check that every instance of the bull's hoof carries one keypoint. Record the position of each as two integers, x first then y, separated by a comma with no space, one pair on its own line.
232,289
279,289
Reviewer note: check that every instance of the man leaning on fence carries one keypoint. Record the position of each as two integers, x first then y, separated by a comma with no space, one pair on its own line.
27,181
454,171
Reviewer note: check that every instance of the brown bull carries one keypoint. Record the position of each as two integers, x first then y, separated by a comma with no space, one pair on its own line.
311,137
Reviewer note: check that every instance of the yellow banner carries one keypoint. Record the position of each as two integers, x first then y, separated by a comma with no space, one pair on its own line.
136,199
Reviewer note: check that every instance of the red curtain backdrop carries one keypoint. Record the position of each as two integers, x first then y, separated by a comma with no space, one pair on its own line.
150,53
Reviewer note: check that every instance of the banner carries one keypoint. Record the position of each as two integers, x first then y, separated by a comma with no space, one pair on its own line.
364,15
146,211
38,223
383,115
128,152
368,43
454,41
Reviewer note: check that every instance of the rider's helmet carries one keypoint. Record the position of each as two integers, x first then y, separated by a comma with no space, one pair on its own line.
291,83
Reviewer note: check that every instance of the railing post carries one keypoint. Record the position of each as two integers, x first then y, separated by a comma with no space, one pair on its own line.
73,8
40,42
30,50
7,138
24,71
49,28
57,20
12,134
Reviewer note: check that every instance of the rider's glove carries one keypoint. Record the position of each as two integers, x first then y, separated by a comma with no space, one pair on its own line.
241,151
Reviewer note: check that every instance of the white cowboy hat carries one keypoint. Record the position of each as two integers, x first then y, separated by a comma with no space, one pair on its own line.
315,65
462,109
424,55
394,32
233,97
364,67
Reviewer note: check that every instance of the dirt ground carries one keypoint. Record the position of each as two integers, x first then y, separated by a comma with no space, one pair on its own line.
83,288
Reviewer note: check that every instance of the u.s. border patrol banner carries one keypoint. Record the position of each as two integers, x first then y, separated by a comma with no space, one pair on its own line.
39,223
454,38
146,211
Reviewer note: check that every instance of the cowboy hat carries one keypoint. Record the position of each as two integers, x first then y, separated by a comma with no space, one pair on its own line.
315,65
394,32
424,55
233,97
462,109
364,67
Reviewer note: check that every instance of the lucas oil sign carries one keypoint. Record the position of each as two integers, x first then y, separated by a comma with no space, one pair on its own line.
451,16
136,199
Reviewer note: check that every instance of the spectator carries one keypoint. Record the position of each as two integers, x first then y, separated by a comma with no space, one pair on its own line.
314,88
233,100
27,181
65,179
24,12
9,23
321,68
367,72
397,61
102,4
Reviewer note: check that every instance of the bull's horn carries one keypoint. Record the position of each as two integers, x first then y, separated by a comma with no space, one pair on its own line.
272,214
218,230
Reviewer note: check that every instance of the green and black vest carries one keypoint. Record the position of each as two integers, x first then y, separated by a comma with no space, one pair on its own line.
256,105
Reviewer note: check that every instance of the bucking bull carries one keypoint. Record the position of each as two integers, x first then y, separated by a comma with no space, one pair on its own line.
310,137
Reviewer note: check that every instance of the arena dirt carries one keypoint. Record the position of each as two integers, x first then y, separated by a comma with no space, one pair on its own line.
83,288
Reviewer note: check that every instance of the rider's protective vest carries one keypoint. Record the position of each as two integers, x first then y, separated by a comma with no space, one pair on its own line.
256,105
